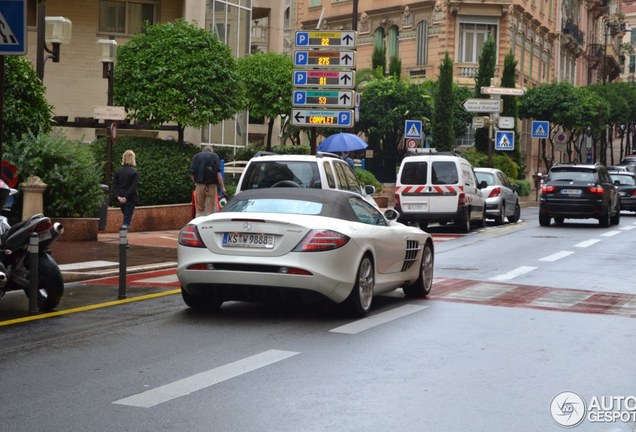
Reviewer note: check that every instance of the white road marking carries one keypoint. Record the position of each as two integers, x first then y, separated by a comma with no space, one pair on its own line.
87,265
205,379
556,256
376,320
482,292
627,228
519,271
161,279
610,233
587,243
561,299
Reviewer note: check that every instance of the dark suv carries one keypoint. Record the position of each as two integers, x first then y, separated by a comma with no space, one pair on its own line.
579,192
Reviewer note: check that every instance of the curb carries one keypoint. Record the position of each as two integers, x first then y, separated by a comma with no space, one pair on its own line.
73,276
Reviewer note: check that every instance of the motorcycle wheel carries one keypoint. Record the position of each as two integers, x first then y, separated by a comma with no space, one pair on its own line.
50,283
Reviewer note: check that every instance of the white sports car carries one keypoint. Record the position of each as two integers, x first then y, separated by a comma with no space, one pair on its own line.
293,243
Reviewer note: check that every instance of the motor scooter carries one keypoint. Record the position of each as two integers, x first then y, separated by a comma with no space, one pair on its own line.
15,255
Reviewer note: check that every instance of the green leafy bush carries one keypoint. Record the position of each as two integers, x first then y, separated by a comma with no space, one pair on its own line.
367,178
524,187
162,167
67,166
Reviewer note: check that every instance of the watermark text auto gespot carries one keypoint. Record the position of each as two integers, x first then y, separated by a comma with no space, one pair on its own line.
568,409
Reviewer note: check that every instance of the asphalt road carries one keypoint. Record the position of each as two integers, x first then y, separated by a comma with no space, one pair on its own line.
489,351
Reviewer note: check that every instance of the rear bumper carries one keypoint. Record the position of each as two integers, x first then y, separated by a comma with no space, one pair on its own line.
431,217
571,209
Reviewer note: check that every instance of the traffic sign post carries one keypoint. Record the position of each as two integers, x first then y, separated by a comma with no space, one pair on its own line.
413,129
504,91
322,118
324,79
323,98
540,129
505,140
325,59
482,105
326,39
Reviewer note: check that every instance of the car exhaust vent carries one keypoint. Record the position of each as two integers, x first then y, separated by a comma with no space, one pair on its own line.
412,247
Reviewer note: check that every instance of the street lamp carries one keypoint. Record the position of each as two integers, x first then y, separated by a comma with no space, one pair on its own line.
53,30
106,53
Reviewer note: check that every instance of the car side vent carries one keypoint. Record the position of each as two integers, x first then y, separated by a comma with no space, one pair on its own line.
412,247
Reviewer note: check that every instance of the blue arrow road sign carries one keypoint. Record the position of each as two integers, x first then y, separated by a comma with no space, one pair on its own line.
413,129
13,27
540,129
505,140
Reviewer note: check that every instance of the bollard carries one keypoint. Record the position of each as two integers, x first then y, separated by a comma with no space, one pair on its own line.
123,247
34,242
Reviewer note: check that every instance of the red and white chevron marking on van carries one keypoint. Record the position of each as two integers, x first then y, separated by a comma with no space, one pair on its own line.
421,189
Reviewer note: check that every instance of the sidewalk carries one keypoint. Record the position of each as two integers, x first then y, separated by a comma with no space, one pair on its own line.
82,260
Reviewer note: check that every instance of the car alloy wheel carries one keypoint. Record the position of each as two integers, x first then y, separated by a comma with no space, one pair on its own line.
362,294
422,286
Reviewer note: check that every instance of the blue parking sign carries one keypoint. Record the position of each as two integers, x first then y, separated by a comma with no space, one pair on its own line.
13,27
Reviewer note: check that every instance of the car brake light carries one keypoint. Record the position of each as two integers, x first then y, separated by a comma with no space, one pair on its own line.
189,236
596,190
321,240
634,193
397,200
547,189
462,199
495,192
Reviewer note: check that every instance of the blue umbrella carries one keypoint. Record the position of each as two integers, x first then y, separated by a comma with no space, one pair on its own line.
342,142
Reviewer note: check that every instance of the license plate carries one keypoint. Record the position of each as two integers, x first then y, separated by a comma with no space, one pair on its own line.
44,235
248,240
623,193
414,206
571,191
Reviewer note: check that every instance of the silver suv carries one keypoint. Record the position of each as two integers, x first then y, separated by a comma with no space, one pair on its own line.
322,171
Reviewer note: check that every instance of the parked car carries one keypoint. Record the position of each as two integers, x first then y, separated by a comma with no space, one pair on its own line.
295,243
618,168
322,171
438,187
502,197
629,162
626,184
579,192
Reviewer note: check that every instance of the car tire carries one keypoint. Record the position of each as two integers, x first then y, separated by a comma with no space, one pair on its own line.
499,219
604,220
616,219
201,303
422,286
516,215
559,220
361,297
482,221
544,220
464,222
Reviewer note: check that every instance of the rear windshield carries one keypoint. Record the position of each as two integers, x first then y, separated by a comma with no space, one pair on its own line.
270,205
266,174
489,178
623,180
414,173
570,174
444,172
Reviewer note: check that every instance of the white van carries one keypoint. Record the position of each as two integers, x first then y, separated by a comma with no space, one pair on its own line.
438,187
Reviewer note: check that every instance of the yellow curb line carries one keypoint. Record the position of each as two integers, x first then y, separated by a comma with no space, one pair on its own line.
87,308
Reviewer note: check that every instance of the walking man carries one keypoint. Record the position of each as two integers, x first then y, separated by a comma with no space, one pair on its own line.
205,171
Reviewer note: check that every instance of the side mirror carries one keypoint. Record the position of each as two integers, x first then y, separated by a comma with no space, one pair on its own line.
369,190
391,214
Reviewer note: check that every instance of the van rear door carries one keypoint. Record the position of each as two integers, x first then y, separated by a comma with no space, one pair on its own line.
444,189
413,189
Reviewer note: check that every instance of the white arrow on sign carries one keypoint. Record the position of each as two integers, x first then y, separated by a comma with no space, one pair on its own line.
482,105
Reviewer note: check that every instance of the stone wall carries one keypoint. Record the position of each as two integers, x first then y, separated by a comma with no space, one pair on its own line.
151,218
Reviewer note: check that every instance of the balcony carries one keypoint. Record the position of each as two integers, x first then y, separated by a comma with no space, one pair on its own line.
572,32
260,37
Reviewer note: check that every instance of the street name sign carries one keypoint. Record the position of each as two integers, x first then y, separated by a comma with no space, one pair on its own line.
480,122
482,105
325,59
13,27
506,122
505,140
322,118
323,98
106,112
326,39
506,91
324,78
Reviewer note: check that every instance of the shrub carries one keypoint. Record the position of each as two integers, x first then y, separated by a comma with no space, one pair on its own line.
67,166
367,178
524,187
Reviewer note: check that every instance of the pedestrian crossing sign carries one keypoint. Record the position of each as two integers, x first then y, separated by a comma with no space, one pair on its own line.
505,140
13,27
413,129
540,129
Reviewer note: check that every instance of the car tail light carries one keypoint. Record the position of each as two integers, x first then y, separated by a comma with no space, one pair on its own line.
634,193
598,190
547,189
495,192
397,200
462,199
321,240
189,236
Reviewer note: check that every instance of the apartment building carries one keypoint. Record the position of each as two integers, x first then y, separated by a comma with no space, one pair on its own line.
552,40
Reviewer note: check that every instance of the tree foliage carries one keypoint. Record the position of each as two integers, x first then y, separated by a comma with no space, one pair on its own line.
510,103
442,129
485,72
177,72
267,80
25,107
